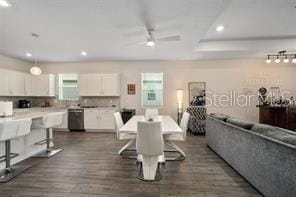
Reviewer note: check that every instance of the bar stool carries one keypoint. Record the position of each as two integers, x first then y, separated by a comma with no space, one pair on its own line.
9,130
48,122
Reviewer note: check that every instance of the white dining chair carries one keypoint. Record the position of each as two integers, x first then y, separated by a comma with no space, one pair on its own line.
170,138
123,136
10,130
151,112
150,147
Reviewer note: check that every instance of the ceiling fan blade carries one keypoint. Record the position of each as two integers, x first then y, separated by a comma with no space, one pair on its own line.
135,43
169,38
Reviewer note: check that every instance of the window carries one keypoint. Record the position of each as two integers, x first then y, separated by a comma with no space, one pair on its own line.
68,89
152,90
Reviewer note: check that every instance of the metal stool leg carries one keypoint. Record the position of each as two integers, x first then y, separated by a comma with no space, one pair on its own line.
48,152
10,171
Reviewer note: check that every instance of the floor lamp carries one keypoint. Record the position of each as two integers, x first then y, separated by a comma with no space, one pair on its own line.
180,94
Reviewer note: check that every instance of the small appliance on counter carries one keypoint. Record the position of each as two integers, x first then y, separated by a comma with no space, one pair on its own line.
24,103
6,108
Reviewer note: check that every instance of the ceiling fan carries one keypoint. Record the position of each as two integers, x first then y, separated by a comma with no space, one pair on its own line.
151,40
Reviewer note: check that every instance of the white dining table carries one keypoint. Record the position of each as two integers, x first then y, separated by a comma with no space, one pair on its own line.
169,126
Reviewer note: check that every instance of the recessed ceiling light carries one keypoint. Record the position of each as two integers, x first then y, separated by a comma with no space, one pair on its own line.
84,53
219,28
28,54
4,3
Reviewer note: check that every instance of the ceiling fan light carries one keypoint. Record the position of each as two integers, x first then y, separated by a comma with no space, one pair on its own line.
35,70
4,3
277,60
294,60
29,54
150,43
220,28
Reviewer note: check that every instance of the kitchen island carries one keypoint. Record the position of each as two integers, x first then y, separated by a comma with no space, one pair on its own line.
25,146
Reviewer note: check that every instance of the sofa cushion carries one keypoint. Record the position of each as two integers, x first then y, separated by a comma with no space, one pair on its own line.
218,116
289,140
241,123
262,128
272,132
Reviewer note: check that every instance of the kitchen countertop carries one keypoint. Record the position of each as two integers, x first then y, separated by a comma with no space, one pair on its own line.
31,115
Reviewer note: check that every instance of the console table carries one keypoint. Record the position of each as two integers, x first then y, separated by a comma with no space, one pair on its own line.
281,116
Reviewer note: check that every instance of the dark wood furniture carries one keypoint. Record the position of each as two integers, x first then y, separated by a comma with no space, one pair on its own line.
280,116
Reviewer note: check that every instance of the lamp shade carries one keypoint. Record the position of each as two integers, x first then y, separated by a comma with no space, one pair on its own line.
35,70
180,95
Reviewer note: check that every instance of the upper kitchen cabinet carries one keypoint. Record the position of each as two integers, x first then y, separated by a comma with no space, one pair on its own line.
98,85
110,85
11,83
89,85
4,90
43,85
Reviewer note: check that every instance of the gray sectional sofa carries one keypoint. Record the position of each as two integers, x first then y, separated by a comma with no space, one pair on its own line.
264,155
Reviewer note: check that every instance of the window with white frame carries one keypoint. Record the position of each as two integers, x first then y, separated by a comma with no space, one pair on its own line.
68,87
152,90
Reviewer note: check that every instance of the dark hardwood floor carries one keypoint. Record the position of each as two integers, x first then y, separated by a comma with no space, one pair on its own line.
89,166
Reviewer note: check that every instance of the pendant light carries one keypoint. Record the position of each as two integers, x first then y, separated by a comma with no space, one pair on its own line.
277,60
294,59
282,56
268,61
35,70
286,60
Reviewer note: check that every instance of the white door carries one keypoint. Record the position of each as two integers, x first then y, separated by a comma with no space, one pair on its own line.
16,82
110,85
91,119
3,83
106,121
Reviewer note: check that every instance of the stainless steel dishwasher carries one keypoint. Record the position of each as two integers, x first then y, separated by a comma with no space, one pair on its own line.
76,119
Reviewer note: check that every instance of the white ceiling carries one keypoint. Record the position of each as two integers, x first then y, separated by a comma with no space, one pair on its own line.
106,28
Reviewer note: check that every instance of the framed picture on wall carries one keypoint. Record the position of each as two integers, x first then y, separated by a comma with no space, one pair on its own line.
131,89
197,93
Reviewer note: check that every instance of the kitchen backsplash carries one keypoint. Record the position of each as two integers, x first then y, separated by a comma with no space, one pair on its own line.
53,102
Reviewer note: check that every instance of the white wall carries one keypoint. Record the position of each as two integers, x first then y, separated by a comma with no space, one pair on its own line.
14,64
221,76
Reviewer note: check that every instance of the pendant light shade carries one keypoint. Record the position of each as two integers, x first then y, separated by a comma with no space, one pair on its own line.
35,70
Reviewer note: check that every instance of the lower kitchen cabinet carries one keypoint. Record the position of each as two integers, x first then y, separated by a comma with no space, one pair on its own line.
99,120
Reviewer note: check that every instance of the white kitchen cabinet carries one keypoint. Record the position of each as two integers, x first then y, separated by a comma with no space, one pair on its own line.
43,85
106,119
91,120
4,90
28,85
82,85
99,120
110,85
94,85
98,85
16,82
